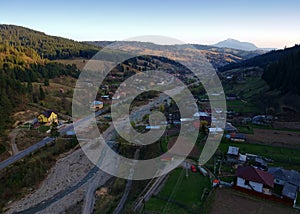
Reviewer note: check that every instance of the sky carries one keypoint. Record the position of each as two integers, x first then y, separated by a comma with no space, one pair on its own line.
266,23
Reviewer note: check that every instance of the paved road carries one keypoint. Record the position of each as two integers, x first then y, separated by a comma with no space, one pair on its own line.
25,152
99,180
45,141
121,204
93,173
44,204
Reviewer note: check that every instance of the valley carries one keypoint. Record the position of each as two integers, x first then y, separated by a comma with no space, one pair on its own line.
38,75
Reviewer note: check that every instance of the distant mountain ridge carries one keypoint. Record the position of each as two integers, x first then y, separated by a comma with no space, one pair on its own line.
219,57
236,44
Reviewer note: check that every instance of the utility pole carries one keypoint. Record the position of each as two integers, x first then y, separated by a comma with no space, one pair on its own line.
186,170
214,165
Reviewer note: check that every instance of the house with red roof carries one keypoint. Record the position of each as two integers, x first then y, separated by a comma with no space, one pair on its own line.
254,179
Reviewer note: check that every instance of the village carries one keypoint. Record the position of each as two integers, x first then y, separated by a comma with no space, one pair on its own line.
258,155
235,164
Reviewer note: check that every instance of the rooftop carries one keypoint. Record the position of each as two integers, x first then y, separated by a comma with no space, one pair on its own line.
290,191
252,174
290,176
233,150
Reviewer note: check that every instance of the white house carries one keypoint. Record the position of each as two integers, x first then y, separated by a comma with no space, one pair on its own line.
254,179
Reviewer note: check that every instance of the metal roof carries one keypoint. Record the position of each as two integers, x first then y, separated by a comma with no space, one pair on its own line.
290,176
233,150
290,191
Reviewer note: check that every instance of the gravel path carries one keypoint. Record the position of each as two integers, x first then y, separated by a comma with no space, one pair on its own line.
12,137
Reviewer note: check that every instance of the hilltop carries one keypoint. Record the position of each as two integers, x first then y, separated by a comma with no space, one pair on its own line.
50,47
279,73
262,60
236,44
219,57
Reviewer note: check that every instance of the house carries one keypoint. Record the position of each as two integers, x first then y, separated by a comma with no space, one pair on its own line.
230,128
246,120
260,163
290,191
105,97
152,127
202,116
233,151
242,158
237,137
262,120
283,176
48,117
254,179
289,180
96,105
257,161
215,130
231,97
234,156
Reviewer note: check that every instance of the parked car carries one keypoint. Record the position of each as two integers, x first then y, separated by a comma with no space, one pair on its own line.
193,168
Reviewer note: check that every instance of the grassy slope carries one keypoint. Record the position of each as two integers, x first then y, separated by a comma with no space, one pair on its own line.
187,191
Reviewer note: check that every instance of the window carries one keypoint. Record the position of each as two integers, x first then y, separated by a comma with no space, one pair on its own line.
246,182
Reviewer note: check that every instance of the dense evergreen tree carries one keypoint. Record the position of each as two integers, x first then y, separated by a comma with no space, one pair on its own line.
263,60
50,47
42,93
19,68
284,74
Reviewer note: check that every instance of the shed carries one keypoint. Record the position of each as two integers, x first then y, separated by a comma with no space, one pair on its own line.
233,151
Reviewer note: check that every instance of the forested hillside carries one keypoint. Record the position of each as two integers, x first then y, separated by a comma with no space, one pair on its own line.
26,57
50,47
262,60
284,75
19,68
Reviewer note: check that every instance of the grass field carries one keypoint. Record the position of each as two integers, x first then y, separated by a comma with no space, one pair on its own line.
184,193
253,86
79,62
286,157
272,128
248,129
245,129
242,107
247,92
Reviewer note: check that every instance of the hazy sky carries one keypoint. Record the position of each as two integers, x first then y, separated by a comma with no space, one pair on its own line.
267,23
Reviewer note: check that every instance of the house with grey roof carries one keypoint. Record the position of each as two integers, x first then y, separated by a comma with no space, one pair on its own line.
288,179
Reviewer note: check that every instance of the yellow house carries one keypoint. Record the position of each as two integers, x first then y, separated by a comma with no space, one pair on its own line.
48,117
